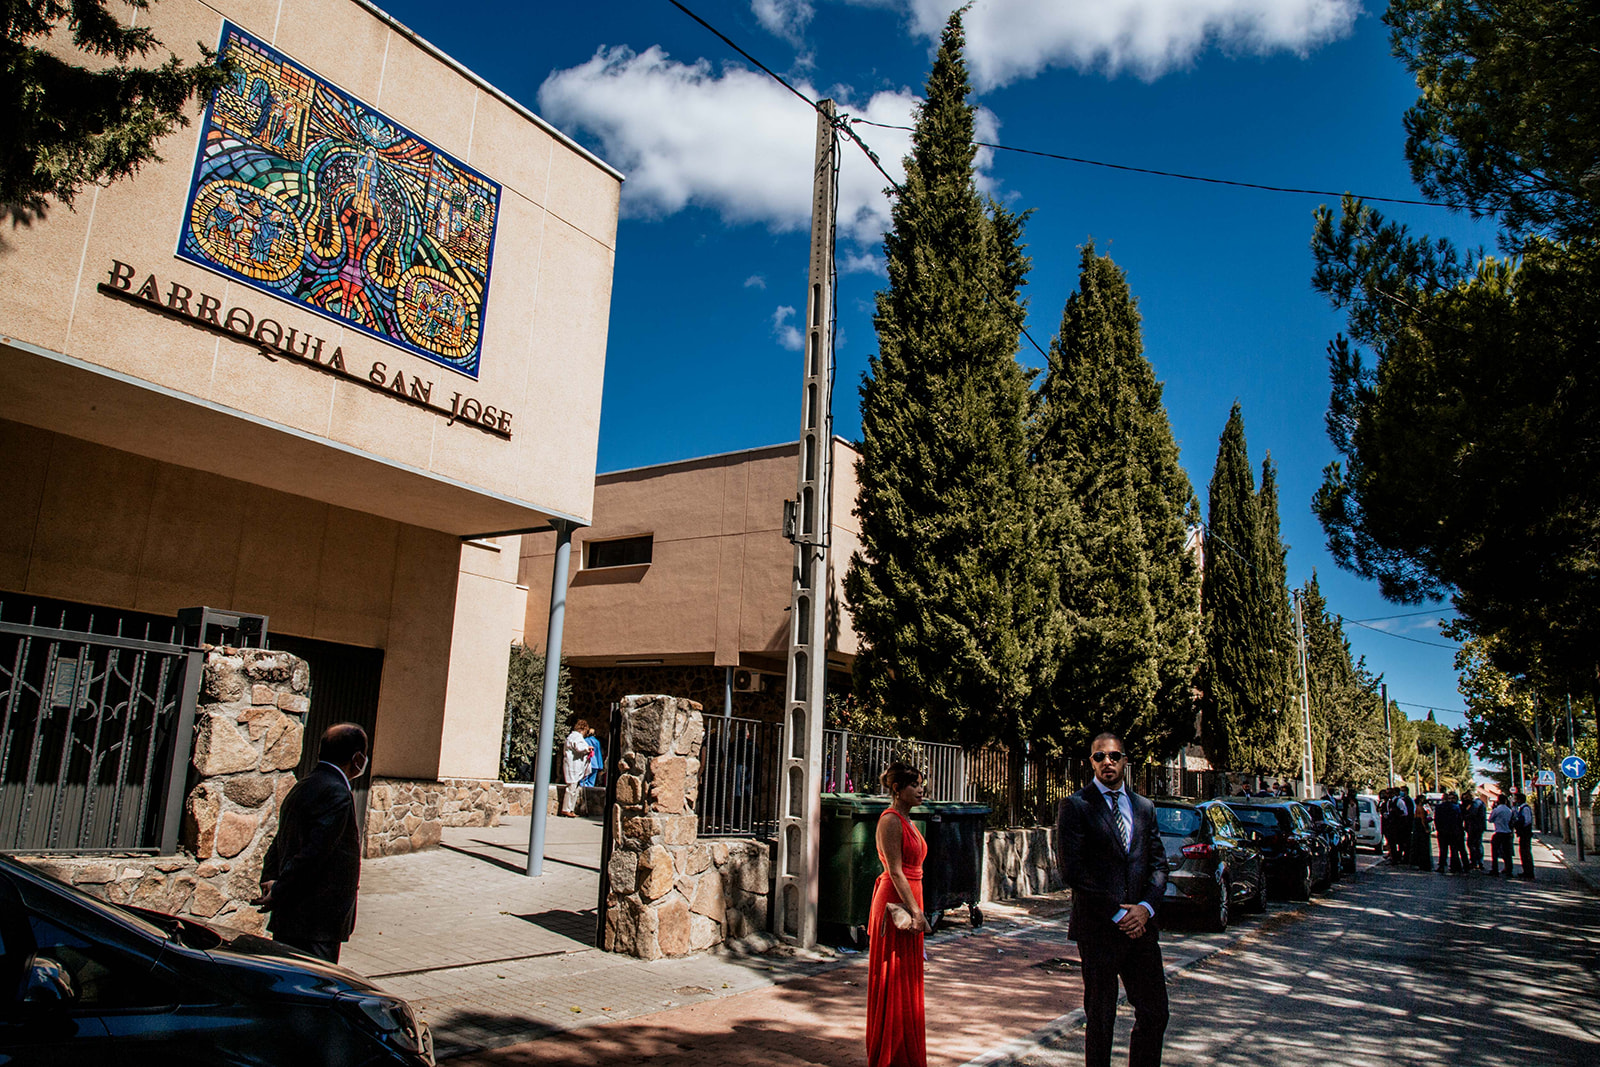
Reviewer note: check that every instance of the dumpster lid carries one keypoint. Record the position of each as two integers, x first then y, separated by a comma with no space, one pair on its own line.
857,803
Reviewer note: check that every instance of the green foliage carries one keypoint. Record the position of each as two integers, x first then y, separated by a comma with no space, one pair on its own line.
1508,121
1245,721
1469,460
948,590
1454,766
1114,506
1350,745
524,700
68,124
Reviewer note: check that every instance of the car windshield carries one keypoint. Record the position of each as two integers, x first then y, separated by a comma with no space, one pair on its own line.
1180,822
46,897
1265,818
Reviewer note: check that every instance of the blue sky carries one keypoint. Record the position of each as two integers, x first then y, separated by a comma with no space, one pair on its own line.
712,247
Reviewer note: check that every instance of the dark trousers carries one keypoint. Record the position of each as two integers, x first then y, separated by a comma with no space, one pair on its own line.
1475,848
1525,848
329,950
1499,849
1137,963
1452,850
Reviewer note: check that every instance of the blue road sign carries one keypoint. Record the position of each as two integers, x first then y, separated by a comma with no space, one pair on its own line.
1574,767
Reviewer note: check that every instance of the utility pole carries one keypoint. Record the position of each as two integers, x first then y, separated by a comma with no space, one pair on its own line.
1577,787
1308,767
1435,768
1389,729
806,523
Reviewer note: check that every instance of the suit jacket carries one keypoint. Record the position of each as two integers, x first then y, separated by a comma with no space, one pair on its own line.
315,860
1103,874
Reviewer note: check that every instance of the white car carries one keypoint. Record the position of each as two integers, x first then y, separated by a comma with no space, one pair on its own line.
1369,828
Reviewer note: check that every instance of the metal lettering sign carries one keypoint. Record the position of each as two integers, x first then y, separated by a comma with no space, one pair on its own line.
304,192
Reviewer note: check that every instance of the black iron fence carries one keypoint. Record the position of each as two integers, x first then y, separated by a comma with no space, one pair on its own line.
1154,780
739,764
96,717
852,763
1021,790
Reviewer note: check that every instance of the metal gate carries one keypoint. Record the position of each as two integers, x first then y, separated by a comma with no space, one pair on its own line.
345,680
92,703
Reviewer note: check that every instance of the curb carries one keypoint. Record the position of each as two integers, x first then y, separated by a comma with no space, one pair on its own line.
1581,873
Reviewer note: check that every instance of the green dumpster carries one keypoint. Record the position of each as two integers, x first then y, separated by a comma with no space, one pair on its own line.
952,874
848,862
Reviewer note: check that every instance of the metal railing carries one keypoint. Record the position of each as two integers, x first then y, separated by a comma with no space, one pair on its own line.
95,729
851,763
739,764
1020,790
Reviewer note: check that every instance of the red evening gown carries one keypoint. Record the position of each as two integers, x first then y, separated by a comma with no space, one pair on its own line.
895,1018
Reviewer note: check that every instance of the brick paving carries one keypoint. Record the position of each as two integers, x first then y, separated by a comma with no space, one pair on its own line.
503,969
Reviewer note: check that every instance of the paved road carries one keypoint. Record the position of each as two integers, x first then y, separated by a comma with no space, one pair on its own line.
1399,968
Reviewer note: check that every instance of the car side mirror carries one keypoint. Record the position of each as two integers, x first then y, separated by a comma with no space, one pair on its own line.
48,983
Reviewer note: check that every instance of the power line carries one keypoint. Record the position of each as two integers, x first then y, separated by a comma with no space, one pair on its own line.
1402,615
1403,637
1430,707
725,39
1177,174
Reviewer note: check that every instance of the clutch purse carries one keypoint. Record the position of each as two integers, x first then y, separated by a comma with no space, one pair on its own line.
901,918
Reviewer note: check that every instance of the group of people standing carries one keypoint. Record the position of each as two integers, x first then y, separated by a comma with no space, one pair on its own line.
1456,824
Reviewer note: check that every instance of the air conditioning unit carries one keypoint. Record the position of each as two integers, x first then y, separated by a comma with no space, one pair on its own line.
749,682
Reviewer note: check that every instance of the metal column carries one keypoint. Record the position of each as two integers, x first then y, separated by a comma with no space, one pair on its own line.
552,689
794,911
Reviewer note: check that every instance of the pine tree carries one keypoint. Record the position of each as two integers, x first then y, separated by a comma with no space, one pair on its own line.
948,588
1129,595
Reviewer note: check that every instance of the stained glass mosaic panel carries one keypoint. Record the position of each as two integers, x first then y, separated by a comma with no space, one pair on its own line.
304,192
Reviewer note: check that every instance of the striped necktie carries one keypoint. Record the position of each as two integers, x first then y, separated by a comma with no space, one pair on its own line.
1115,796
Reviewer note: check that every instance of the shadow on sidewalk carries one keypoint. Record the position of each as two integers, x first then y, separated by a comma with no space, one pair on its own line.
578,925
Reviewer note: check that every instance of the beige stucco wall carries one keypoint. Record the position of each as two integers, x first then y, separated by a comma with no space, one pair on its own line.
490,607
717,587
94,525
186,396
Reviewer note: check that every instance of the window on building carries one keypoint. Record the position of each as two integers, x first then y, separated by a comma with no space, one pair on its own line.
623,552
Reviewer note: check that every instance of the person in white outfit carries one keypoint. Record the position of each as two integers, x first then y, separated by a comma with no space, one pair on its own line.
574,765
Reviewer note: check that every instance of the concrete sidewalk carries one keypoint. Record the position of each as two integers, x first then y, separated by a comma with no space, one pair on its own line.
1586,870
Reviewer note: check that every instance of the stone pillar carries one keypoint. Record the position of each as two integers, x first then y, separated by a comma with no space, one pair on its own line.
659,904
249,724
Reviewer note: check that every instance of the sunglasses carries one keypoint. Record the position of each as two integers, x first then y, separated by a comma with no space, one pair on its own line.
1101,757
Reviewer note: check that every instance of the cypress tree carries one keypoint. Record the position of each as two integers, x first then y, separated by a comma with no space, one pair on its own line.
947,590
1244,678
1129,595
1278,736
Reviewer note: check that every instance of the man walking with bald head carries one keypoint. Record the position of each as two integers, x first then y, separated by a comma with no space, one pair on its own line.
312,868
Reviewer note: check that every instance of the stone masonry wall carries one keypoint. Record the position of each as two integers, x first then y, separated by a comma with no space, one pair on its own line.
671,893
406,815
249,726
1020,863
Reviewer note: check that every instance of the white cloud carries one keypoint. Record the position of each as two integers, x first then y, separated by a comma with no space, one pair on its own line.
755,281
863,263
788,336
784,18
1009,40
735,142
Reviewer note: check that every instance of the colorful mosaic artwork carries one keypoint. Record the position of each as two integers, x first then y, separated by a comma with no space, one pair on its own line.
304,192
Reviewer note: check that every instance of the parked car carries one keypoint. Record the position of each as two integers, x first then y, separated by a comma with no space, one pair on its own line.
1296,856
94,984
1215,866
1344,838
1369,828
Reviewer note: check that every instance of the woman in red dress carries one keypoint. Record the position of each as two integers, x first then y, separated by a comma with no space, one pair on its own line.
894,965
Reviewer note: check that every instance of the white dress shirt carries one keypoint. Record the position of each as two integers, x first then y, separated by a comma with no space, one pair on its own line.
1126,807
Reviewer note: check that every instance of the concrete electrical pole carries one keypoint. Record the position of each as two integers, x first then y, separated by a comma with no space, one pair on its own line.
1308,768
794,907
1388,728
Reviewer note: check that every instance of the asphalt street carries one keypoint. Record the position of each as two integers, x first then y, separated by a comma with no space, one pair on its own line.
1395,967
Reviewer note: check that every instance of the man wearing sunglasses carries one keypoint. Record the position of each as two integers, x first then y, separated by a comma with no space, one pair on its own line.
1112,857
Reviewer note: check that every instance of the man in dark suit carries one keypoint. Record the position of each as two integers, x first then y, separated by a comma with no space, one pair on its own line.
309,878
1113,859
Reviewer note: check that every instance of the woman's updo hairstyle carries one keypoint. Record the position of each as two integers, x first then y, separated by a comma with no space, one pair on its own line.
897,776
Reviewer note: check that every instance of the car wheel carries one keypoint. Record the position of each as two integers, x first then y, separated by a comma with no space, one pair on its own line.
1217,921
1258,900
1301,889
